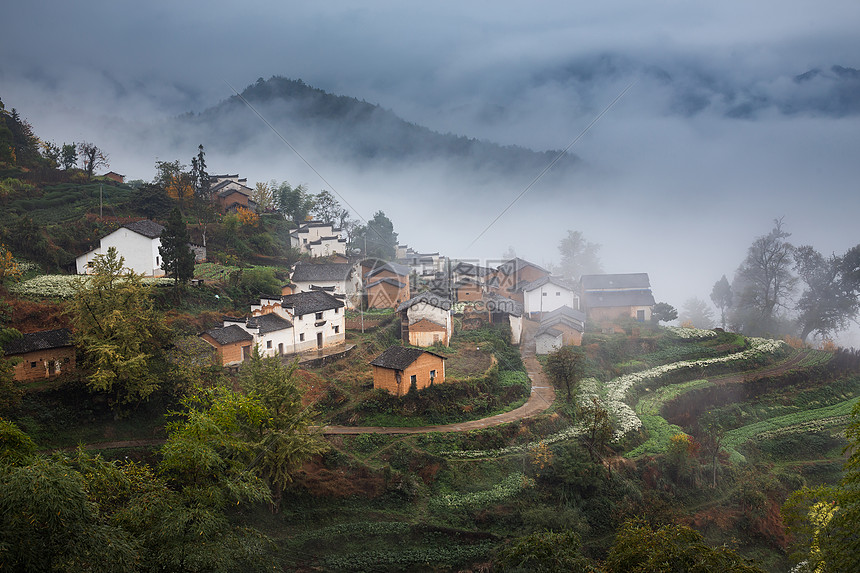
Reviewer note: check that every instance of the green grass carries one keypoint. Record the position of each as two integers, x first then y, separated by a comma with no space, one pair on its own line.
806,420
659,430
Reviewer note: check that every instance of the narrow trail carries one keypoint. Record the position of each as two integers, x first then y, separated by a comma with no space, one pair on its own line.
542,396
775,369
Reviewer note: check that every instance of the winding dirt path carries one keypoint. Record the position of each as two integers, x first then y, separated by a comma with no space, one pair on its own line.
542,396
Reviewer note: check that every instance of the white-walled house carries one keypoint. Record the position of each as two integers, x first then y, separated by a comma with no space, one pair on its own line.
318,320
342,280
425,319
285,325
318,239
136,242
548,294
547,340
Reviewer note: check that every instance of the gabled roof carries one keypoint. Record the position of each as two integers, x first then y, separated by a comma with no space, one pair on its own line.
307,225
229,334
387,280
400,357
570,318
606,299
310,302
267,323
397,269
528,287
464,268
311,272
426,298
515,265
563,312
44,340
548,331
145,227
616,281
498,303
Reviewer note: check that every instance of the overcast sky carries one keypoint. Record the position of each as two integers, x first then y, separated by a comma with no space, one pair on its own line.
714,140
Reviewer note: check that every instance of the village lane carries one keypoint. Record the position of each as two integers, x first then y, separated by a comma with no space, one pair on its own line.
541,398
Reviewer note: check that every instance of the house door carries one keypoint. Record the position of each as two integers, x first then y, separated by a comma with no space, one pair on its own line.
319,339
281,348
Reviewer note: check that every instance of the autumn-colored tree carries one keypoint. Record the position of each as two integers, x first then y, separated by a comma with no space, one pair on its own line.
180,187
9,270
247,217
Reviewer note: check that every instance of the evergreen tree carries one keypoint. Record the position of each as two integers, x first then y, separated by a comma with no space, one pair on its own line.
177,258
721,296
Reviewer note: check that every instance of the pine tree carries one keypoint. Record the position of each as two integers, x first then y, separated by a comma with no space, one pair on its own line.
177,258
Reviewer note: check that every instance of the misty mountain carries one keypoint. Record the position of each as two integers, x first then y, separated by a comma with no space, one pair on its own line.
346,129
695,87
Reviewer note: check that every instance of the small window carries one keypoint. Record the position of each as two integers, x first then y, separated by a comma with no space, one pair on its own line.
432,374
413,379
319,316
32,365
302,337
268,344
336,329
543,294
157,261
337,311
558,293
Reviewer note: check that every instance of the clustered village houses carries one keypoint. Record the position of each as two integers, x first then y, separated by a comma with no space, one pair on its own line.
425,290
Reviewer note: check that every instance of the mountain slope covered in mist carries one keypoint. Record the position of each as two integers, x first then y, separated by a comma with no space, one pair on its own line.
690,88
347,129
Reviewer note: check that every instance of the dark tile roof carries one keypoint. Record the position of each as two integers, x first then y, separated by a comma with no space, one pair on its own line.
616,281
464,268
514,266
309,224
388,280
44,340
563,312
146,228
548,280
310,302
308,272
498,303
427,298
267,323
229,334
380,266
400,357
548,331
607,299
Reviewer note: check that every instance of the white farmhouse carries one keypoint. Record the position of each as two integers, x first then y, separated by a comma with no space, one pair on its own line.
425,320
548,294
318,320
136,242
318,239
341,280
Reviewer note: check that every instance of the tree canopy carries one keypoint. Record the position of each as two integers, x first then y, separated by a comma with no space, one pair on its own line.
118,329
377,238
763,283
578,256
